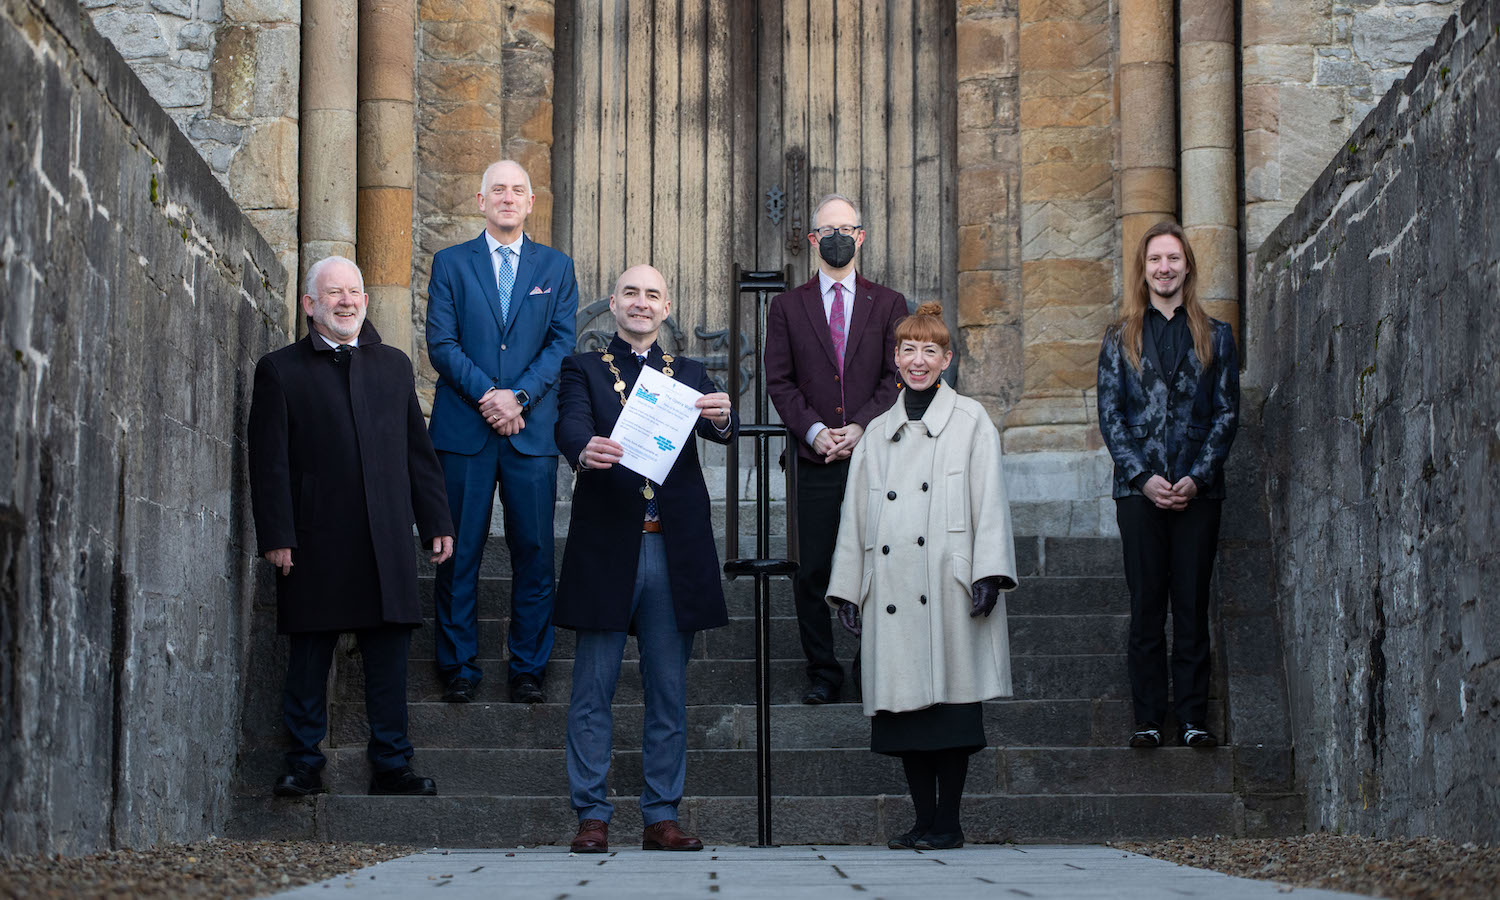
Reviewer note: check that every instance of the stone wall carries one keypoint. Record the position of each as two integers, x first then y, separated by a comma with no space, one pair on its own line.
1312,70
137,298
1378,361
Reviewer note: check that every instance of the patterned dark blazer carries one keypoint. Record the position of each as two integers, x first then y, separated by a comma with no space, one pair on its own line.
1170,424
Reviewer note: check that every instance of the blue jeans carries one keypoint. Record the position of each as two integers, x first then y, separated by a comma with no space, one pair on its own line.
596,671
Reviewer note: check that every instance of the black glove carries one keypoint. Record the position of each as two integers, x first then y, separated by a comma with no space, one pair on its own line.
986,593
848,615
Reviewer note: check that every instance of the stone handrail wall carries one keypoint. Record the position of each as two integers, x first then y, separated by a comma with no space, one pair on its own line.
1376,306
137,298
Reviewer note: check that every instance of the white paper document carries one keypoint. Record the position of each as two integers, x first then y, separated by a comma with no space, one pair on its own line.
655,423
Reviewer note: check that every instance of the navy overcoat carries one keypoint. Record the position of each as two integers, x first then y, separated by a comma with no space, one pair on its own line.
604,535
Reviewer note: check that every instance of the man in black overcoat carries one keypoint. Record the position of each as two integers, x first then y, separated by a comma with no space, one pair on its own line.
640,559
341,468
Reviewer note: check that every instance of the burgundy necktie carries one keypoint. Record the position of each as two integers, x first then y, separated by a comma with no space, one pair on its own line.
836,323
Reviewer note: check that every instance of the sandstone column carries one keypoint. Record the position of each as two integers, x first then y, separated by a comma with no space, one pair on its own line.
1148,119
387,147
1210,208
329,92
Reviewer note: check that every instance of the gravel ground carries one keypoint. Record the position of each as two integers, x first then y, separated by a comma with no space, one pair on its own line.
211,868
1414,868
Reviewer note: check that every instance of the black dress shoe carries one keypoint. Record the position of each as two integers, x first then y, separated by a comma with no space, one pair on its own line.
459,690
1197,737
402,781
526,689
821,692
299,781
906,841
941,841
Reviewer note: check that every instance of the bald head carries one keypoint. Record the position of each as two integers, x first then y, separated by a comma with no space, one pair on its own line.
505,200
640,304
507,171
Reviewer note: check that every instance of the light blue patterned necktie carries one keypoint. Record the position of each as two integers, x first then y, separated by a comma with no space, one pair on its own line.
506,280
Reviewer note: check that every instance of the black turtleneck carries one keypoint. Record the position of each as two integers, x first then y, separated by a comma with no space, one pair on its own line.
918,401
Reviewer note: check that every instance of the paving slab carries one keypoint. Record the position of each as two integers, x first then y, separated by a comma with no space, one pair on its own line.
795,872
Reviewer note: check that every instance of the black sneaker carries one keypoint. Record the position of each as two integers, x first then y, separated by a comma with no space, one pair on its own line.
1198,737
1146,737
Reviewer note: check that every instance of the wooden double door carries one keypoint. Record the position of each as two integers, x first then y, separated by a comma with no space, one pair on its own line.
697,134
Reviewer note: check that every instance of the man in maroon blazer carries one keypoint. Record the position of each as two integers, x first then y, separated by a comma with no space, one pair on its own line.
830,369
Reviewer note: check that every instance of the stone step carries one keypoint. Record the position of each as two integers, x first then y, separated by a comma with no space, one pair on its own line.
499,725
1036,595
448,821
717,681
1029,636
1008,770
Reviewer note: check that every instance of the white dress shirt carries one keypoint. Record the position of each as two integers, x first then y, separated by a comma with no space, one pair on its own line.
494,245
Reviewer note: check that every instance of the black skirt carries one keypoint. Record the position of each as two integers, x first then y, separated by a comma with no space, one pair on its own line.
943,726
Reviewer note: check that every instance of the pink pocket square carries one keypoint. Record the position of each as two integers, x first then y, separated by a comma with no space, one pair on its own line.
541,290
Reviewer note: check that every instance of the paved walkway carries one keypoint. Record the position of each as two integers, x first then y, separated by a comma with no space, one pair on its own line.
792,873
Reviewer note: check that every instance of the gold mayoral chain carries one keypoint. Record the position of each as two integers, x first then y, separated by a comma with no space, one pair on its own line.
609,359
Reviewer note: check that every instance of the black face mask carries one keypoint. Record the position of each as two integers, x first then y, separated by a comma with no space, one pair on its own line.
837,249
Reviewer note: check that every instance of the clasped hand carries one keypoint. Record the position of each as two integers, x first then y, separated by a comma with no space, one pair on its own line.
834,444
1170,496
501,411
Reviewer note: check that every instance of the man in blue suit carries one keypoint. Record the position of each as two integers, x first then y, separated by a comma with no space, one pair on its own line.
500,320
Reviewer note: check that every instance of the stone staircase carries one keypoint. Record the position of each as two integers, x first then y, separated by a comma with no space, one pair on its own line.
1056,769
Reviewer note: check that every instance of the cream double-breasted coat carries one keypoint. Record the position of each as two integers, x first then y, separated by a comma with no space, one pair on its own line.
925,516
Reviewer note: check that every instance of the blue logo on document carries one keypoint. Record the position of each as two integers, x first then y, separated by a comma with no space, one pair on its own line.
663,444
646,395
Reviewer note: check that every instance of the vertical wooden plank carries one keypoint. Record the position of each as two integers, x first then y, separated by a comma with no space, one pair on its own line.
873,258
614,42
947,129
747,211
692,76
664,183
585,199
821,87
718,225
565,107
770,236
638,155
927,187
848,100
899,147
794,121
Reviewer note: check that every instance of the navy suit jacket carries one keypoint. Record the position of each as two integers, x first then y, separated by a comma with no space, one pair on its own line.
1171,424
473,353
604,534
802,374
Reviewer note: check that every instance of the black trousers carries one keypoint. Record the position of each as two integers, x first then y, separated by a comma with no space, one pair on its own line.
820,492
304,702
1169,562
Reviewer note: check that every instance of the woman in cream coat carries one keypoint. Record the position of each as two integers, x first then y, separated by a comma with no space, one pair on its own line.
924,553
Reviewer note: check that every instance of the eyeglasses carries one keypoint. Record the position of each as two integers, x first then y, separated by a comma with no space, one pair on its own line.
845,230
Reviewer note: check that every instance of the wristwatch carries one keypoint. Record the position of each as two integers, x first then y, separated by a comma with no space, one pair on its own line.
522,398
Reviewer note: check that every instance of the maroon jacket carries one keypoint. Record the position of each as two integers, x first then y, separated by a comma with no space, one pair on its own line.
802,375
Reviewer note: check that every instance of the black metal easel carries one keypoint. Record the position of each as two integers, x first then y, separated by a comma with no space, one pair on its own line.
763,285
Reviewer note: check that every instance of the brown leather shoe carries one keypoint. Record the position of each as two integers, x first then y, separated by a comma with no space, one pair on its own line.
592,837
666,835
